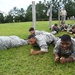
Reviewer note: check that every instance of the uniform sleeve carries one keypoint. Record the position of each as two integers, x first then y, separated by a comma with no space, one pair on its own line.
73,54
56,48
43,46
37,32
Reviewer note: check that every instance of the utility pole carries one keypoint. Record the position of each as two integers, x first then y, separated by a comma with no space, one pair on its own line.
50,17
34,14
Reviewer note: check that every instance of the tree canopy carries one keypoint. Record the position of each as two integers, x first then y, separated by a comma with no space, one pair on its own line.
21,15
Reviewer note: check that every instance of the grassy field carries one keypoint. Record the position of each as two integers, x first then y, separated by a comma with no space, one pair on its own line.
18,61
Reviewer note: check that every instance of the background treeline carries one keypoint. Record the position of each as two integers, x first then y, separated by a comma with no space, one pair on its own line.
21,15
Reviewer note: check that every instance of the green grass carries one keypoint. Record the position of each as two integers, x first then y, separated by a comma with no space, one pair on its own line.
18,61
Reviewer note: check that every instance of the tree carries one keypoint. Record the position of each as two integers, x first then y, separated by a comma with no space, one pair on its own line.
1,18
21,15
8,19
29,13
18,14
41,11
70,8
14,13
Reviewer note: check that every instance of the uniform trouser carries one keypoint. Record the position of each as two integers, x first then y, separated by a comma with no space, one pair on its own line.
63,17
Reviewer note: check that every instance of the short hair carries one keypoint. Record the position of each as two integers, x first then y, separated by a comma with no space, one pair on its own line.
65,37
55,25
31,29
73,26
31,36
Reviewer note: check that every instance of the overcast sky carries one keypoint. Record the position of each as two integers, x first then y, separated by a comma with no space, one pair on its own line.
7,5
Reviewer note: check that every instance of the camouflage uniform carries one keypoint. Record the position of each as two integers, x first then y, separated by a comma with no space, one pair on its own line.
70,52
37,32
44,39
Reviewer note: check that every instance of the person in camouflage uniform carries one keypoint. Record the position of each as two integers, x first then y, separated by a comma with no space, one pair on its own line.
64,49
35,32
41,41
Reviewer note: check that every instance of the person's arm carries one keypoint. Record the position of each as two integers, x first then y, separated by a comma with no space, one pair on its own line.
69,59
36,52
56,51
70,31
72,56
64,60
56,57
43,49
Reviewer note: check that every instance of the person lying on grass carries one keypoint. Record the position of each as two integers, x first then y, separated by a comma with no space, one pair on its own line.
7,42
72,30
41,41
63,26
64,49
35,32
55,29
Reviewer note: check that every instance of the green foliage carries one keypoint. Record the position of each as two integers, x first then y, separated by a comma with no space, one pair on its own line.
18,61
8,19
21,15
29,13
41,11
1,18
18,14
70,8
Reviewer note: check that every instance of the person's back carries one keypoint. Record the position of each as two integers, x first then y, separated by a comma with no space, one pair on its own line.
35,32
47,37
7,42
